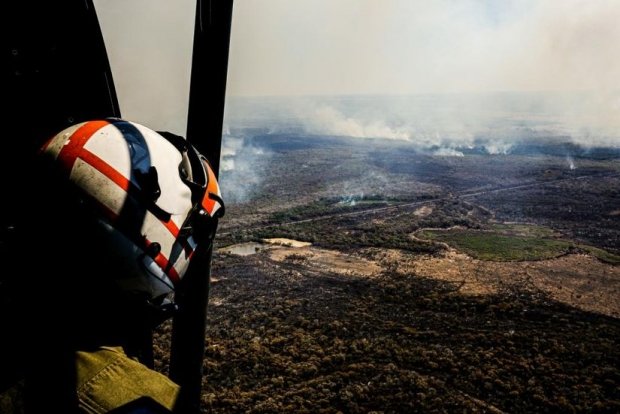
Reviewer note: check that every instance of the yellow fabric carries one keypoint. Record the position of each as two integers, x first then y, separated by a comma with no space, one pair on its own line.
108,379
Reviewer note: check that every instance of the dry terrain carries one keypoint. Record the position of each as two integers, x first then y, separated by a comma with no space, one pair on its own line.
425,284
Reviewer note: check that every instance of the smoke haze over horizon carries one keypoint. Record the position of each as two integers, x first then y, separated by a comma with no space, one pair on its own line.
322,47
436,119
423,73
362,47
445,125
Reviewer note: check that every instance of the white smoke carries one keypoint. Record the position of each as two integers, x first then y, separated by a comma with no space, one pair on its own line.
595,120
351,200
498,147
407,46
327,120
440,125
242,168
494,122
448,152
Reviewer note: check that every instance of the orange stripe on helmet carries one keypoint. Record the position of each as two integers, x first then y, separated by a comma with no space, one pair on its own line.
121,181
208,203
160,259
166,266
75,145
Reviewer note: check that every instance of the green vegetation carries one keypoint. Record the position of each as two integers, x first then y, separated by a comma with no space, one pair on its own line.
334,234
513,242
487,245
524,230
601,254
348,232
326,206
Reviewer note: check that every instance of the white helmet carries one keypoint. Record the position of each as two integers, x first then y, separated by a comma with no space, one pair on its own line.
154,198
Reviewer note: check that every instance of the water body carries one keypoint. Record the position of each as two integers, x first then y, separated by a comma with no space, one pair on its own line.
244,249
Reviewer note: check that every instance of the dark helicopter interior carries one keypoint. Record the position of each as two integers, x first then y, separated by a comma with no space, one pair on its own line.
53,295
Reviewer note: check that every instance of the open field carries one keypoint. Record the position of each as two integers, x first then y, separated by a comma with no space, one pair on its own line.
513,242
432,284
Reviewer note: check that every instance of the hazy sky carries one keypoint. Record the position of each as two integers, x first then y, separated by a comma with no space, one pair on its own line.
149,45
284,47
332,47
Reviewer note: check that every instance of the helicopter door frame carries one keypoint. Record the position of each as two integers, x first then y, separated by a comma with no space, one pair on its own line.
204,131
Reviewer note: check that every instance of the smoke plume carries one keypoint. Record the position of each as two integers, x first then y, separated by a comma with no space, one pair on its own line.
439,124
242,169
327,120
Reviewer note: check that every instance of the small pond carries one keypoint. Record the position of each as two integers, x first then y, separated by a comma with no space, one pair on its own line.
244,249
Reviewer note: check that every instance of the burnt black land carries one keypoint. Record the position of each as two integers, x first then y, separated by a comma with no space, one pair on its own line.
291,336
307,176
